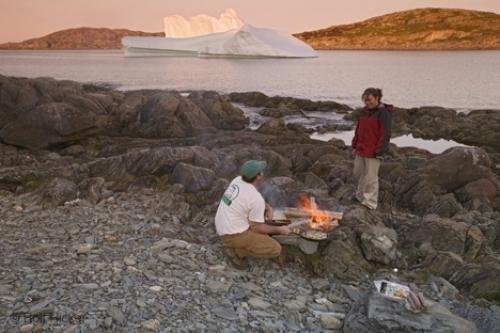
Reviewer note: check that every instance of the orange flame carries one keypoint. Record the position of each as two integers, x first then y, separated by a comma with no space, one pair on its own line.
320,219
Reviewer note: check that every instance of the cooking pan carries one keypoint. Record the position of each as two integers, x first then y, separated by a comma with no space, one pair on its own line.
311,234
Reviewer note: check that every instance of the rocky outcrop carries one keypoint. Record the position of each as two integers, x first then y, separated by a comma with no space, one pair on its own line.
441,123
151,171
78,38
381,314
290,104
449,181
42,113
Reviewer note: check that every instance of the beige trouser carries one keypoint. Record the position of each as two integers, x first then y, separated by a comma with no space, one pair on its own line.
366,172
252,244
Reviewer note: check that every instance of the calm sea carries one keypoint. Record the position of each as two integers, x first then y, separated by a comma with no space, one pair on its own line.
458,79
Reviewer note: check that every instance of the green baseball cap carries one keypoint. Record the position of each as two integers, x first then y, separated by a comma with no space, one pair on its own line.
252,168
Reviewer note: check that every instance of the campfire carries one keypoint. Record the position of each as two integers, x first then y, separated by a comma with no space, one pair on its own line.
307,219
319,219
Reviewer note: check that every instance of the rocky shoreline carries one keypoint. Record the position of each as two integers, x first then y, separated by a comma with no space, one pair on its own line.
107,201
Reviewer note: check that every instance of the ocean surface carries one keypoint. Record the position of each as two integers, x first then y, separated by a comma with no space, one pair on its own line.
463,80
316,120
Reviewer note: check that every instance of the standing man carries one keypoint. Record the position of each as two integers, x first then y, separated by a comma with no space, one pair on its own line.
240,218
370,143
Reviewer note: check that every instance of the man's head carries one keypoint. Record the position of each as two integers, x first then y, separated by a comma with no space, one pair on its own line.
372,97
253,171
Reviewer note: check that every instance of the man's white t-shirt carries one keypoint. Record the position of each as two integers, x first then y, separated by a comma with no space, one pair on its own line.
240,204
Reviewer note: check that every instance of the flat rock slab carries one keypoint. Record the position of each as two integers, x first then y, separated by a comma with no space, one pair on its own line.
225,311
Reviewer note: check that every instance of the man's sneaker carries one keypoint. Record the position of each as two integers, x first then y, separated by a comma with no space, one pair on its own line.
237,262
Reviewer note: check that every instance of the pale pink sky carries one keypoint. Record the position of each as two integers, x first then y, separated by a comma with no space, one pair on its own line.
22,19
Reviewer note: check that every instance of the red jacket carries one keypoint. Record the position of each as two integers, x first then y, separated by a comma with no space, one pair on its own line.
373,131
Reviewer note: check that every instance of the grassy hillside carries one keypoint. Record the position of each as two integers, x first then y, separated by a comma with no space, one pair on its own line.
426,28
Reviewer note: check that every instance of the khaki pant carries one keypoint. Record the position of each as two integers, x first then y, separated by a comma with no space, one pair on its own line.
252,244
366,172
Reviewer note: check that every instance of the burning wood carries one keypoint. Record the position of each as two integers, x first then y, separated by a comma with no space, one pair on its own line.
319,219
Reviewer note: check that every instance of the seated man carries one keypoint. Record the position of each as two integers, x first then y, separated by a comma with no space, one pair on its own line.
240,218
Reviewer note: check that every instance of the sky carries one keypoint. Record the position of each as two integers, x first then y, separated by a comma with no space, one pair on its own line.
23,19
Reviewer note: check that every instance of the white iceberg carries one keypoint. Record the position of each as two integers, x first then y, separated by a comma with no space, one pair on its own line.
226,36
248,41
177,26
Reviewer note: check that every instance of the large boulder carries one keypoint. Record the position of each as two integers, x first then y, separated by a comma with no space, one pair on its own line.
280,191
220,111
445,235
481,280
254,98
457,167
379,243
140,162
444,185
381,314
50,124
192,177
343,258
169,115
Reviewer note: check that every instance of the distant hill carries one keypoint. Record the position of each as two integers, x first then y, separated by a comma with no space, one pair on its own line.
419,29
78,38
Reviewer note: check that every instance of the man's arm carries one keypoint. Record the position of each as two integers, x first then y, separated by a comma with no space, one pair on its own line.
263,228
268,213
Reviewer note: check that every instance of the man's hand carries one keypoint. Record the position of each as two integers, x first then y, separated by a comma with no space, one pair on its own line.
353,152
285,230
263,228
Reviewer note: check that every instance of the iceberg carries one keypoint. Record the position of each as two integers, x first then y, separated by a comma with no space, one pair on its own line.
177,26
247,41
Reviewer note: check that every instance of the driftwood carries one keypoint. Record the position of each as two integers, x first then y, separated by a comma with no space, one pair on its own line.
292,212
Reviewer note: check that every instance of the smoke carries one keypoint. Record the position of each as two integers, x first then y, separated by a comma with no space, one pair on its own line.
275,196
